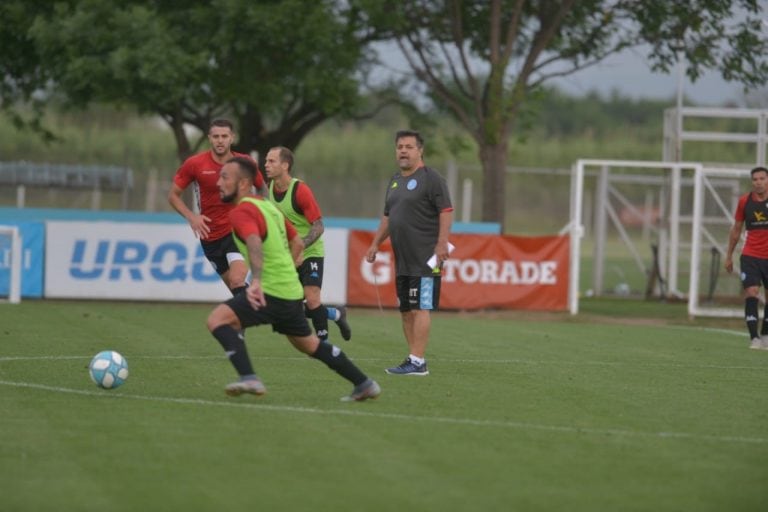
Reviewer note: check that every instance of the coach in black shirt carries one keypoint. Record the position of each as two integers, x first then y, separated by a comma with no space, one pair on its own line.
417,217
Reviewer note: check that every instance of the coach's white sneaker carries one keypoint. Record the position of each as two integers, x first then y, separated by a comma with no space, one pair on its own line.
764,339
756,344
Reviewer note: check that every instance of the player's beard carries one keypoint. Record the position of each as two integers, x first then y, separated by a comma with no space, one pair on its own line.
228,198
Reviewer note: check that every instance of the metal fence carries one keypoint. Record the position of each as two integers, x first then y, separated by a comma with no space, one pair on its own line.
53,179
537,198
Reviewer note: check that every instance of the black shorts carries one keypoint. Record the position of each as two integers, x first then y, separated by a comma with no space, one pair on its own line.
285,316
221,252
418,292
311,272
754,271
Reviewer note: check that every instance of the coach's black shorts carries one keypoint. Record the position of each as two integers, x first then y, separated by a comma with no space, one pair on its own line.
311,272
418,292
221,252
754,271
285,316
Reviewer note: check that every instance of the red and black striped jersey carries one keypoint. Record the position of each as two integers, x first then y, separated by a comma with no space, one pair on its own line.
754,213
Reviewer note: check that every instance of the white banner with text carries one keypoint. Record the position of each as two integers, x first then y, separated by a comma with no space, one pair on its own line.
152,261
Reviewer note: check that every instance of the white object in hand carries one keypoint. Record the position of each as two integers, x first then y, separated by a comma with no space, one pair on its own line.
432,261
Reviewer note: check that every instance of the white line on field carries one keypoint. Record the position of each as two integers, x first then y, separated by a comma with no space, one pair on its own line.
88,358
713,329
531,362
394,416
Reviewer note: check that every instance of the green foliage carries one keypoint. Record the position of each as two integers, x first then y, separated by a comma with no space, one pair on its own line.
282,68
560,130
560,115
278,74
20,68
100,136
521,411
705,33
115,52
482,60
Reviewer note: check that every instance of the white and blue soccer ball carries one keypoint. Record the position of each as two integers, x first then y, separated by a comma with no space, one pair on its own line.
108,369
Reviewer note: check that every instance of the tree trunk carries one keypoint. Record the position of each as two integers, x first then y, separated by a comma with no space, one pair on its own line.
494,161
183,148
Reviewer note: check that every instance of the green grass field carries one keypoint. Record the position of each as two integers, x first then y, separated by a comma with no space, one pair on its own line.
532,412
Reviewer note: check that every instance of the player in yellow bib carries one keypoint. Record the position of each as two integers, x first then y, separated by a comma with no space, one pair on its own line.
271,247
295,199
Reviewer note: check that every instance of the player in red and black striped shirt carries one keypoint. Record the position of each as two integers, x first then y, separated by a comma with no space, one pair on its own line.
752,211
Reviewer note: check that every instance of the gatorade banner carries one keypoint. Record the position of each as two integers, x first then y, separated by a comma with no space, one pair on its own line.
483,272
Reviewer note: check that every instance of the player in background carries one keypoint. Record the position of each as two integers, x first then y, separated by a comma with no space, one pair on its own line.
752,210
271,247
294,198
211,224
417,217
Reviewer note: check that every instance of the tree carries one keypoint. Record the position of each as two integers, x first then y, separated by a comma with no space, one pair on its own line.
280,68
481,60
20,69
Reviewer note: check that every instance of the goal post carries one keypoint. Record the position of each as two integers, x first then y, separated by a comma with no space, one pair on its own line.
619,185
11,259
712,291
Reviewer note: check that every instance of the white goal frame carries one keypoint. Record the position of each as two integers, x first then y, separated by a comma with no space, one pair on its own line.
702,186
15,263
669,255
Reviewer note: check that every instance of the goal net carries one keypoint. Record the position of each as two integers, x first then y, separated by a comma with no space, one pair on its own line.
10,264
713,291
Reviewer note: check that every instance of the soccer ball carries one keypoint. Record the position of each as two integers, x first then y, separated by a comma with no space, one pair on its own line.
108,369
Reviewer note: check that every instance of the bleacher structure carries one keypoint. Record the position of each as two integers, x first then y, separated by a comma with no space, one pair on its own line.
94,178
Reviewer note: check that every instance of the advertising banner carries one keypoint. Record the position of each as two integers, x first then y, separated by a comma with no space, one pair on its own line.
152,261
483,272
334,290
123,260
32,247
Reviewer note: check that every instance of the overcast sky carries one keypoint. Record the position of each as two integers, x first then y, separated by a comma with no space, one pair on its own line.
629,74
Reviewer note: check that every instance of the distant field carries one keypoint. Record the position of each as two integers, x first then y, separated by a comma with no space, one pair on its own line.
628,407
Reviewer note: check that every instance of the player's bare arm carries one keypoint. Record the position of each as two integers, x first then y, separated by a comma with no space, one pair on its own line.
198,223
315,231
733,239
297,249
254,292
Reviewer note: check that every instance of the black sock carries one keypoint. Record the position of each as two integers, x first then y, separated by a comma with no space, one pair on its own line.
235,291
338,361
319,317
764,329
234,346
750,315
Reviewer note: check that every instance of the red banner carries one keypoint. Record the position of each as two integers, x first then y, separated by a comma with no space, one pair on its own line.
484,271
